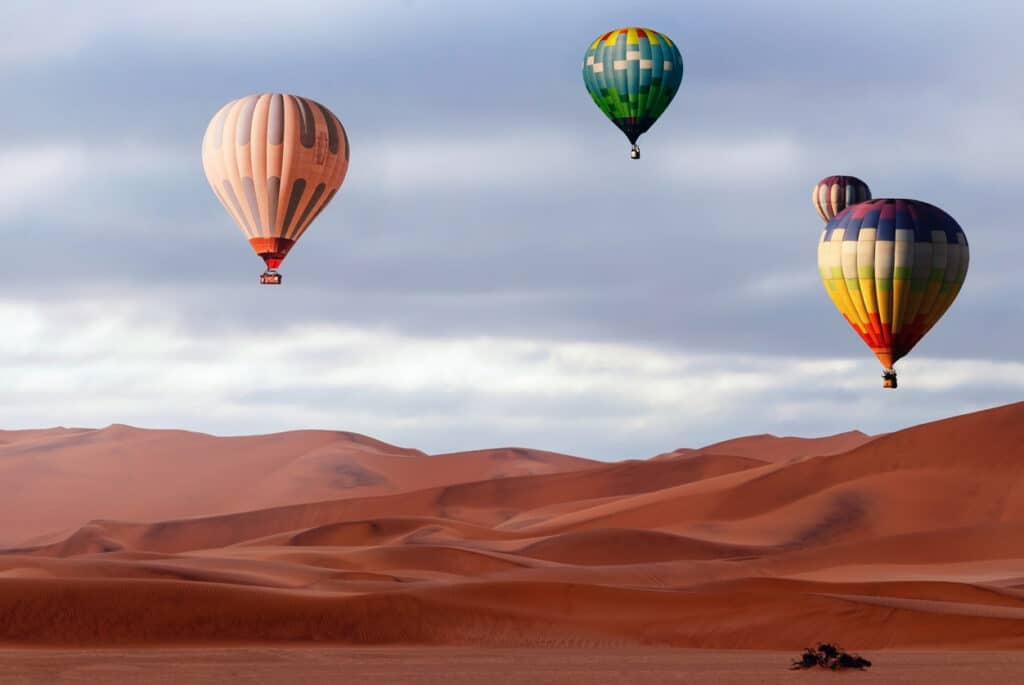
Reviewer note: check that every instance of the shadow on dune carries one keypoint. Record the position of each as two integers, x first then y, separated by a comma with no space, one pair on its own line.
911,539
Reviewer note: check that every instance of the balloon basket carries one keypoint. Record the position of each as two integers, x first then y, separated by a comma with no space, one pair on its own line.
270,278
889,379
634,153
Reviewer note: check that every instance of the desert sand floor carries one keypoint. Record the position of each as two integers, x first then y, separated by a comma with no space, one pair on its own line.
444,666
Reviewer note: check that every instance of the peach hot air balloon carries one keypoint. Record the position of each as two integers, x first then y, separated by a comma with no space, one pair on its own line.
274,161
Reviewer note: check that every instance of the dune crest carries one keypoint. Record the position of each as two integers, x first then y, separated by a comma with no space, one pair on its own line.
910,539
774,449
121,472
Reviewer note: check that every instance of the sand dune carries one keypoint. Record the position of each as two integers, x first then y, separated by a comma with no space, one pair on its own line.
482,503
121,472
910,539
772,448
626,546
126,612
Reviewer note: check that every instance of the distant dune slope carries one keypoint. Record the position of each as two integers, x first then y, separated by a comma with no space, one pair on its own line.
58,479
910,539
772,448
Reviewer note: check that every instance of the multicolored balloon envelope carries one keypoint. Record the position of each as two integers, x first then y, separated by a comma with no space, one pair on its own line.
892,268
275,161
833,194
633,74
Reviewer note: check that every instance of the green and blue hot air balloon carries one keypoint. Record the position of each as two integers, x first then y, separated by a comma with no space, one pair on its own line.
633,74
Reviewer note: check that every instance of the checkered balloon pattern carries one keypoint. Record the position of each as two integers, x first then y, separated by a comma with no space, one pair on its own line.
633,74
892,268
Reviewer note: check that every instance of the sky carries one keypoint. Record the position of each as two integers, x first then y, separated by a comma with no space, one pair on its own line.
495,269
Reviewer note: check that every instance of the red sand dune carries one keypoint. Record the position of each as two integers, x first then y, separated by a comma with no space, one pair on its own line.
772,448
910,539
121,472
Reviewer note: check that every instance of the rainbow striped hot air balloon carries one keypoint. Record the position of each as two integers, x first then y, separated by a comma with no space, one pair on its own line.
833,194
892,268
274,161
633,74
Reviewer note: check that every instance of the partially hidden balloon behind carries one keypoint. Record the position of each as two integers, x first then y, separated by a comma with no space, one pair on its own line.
275,161
833,194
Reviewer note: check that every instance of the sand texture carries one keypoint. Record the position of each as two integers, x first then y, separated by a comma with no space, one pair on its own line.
124,538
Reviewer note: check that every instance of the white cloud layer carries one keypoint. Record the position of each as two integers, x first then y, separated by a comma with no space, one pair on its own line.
99,362
32,172
83,184
547,159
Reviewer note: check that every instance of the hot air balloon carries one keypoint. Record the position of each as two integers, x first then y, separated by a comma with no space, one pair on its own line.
274,161
833,194
633,74
892,268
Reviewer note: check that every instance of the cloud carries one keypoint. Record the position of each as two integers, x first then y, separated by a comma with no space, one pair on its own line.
99,362
32,173
456,164
548,161
41,30
781,284
69,193
761,160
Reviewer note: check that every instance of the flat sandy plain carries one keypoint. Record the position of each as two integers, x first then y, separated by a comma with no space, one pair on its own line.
447,666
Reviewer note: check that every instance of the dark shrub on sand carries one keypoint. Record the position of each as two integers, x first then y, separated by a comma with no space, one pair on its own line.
829,656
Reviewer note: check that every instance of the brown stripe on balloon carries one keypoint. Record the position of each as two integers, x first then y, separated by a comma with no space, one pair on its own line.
344,134
308,215
243,129
307,127
273,194
317,192
298,188
327,201
275,120
332,129
230,192
250,192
